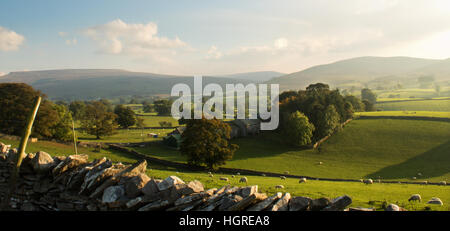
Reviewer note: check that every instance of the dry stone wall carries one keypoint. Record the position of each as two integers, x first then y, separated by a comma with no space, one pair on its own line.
73,183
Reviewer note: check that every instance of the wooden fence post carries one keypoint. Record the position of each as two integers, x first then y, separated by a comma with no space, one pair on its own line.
21,152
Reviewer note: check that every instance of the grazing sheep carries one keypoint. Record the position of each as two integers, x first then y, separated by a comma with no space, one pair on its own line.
415,197
414,178
424,182
232,176
224,179
361,180
368,181
443,182
243,180
320,162
263,174
279,187
435,201
283,177
238,174
211,175
302,180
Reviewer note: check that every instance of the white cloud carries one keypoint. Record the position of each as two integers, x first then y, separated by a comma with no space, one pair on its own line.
281,43
62,34
10,40
2,73
214,53
118,37
71,42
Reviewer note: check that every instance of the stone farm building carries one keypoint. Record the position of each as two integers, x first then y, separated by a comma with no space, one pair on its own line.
239,128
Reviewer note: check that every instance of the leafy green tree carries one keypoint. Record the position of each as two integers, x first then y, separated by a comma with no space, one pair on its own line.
163,106
63,129
368,106
77,109
98,121
355,102
125,116
16,102
367,94
329,121
298,131
148,108
207,143
140,122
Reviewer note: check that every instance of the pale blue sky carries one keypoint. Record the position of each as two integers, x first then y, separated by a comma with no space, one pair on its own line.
216,37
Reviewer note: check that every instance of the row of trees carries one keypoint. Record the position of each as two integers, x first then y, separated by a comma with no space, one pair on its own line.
53,121
309,115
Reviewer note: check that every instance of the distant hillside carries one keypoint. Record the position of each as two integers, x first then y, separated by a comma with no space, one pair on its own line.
365,69
104,83
260,76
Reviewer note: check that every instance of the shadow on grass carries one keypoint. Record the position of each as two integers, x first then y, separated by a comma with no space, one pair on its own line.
432,163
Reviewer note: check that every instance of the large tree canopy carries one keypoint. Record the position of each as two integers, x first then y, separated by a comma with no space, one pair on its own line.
207,142
16,102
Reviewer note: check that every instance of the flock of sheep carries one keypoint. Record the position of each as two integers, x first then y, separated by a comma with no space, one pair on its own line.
414,197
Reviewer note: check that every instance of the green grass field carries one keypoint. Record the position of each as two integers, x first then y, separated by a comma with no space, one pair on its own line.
422,105
436,114
362,195
126,136
58,149
369,148
369,196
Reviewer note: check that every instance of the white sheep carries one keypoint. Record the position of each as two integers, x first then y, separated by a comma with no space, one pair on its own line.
232,176
368,181
224,179
238,174
320,162
243,180
424,182
263,174
414,178
283,177
279,187
302,180
415,197
443,182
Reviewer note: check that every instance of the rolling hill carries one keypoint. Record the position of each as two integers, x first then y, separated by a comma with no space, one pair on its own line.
87,84
366,69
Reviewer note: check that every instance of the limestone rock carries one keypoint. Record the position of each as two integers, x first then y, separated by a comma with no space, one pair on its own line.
299,203
113,194
392,207
282,204
169,182
134,186
151,187
247,191
70,163
157,205
42,162
265,203
339,204
319,204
